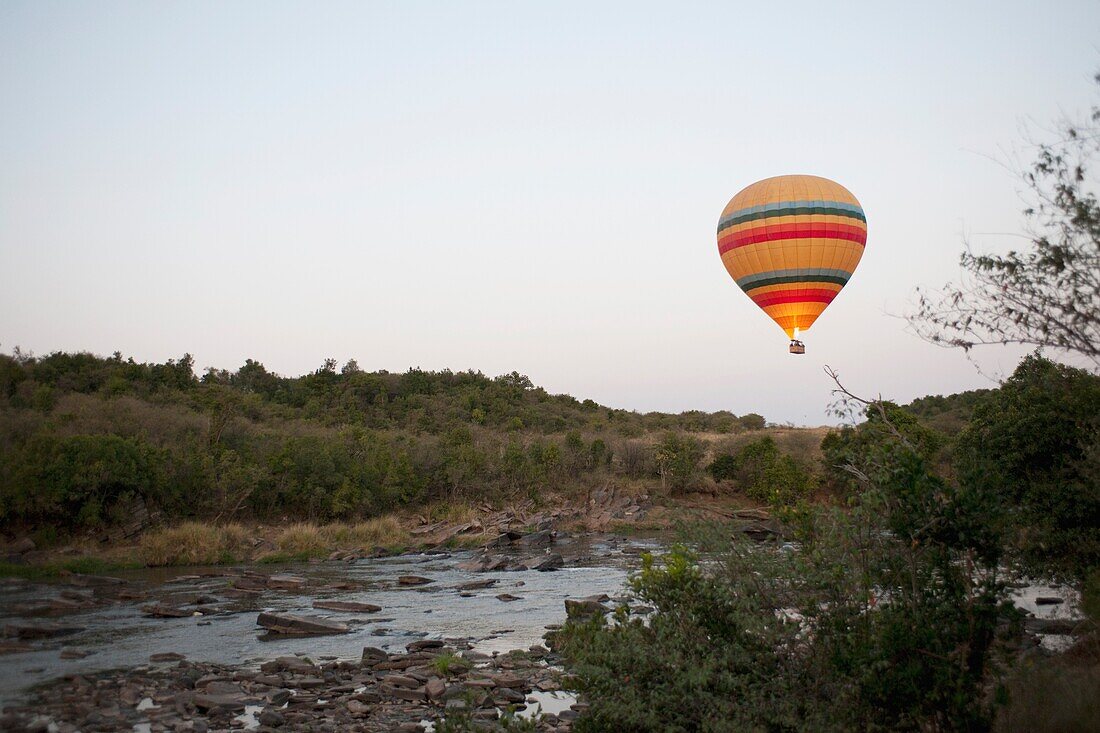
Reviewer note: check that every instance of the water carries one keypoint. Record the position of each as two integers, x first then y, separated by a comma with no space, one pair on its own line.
119,636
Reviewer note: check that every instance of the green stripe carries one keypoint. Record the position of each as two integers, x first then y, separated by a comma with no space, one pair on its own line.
795,279
791,212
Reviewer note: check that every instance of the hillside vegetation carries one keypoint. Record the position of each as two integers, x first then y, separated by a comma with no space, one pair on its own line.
88,442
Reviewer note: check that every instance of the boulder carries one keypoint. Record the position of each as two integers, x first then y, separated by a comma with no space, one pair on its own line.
291,624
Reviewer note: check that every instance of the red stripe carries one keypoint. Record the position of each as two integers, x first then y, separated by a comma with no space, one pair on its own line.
766,233
797,296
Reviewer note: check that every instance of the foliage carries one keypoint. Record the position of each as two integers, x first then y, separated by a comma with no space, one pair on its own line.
82,437
764,473
678,458
881,618
1034,443
1049,294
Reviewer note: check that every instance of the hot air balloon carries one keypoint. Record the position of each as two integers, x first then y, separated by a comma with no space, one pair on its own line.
791,243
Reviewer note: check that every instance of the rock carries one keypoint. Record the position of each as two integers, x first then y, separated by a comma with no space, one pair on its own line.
507,597
403,693
1059,626
550,562
537,539
271,718
1049,600
159,610
286,582
227,702
347,606
477,584
583,609
435,688
290,624
762,531
166,657
356,707
373,655
39,630
295,665
21,546
14,647
413,580
507,696
400,680
423,644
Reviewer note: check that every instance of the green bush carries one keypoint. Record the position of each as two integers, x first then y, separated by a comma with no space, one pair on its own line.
764,473
1035,443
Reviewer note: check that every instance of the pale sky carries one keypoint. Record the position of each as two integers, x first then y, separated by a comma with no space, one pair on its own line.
509,186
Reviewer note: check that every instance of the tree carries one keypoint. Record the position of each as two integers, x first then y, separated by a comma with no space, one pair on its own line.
1033,444
1047,295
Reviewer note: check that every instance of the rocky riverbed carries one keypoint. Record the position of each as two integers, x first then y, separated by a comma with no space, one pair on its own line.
348,644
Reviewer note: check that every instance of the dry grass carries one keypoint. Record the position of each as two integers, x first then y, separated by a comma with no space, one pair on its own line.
197,543
313,540
194,543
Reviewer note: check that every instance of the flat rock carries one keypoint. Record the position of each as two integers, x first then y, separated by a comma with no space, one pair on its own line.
347,606
422,644
291,624
507,597
404,693
1059,626
166,657
40,630
413,580
286,582
295,665
477,584
159,610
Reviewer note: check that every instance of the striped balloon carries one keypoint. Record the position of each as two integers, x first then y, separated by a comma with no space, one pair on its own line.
791,243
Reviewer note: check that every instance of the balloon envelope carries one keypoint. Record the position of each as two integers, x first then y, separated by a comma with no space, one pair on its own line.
791,243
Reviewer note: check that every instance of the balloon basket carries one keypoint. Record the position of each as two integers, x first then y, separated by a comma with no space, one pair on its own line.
797,347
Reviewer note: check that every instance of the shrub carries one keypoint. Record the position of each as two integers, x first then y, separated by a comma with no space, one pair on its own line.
678,458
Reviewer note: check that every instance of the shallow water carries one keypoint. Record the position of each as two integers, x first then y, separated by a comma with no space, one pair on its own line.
119,636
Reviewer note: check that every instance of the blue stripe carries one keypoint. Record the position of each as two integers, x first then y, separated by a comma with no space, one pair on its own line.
780,208
803,274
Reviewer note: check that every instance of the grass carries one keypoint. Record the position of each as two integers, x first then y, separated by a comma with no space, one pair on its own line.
48,570
449,663
195,543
